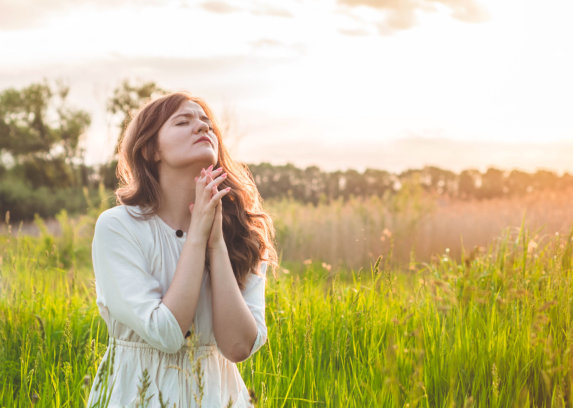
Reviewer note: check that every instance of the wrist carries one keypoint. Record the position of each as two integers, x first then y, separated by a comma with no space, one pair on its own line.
220,244
196,242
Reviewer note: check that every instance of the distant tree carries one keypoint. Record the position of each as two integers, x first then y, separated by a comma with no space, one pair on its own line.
519,182
492,183
468,183
355,184
127,98
377,181
334,184
545,179
413,177
272,181
313,185
565,181
40,134
439,180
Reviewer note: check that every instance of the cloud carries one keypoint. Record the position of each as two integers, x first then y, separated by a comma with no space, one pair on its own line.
401,14
261,9
353,32
219,7
22,14
266,10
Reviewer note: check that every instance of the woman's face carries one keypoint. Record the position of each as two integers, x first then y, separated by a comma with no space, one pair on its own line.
187,138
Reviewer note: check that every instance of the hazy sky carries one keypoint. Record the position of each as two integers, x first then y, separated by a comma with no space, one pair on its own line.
336,83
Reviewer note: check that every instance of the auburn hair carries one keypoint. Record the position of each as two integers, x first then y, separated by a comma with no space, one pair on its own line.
247,229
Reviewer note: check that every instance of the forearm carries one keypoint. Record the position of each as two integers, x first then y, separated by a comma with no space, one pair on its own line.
234,326
183,293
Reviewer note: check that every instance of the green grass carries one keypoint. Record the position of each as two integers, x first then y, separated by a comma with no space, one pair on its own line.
490,330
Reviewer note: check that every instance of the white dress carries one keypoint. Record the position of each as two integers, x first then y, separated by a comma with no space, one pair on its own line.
134,262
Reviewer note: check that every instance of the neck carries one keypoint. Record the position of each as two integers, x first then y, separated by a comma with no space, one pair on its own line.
177,193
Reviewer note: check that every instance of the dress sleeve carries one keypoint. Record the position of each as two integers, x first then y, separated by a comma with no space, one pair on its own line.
129,291
254,295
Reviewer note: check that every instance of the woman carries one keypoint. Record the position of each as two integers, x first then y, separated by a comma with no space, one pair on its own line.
180,265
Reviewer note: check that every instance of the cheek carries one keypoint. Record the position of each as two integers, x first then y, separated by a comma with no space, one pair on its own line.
169,144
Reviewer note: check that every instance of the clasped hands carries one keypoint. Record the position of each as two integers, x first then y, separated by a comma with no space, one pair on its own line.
207,195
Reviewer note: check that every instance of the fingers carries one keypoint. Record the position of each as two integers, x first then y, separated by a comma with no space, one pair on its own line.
217,197
214,188
208,180
205,173
216,181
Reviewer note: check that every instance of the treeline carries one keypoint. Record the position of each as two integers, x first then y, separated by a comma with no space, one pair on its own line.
42,167
313,185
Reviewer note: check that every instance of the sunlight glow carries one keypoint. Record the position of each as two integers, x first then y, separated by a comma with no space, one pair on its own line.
326,70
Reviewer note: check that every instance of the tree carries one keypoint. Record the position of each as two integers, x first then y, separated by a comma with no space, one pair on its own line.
492,183
38,130
377,181
545,179
127,99
519,182
468,182
440,181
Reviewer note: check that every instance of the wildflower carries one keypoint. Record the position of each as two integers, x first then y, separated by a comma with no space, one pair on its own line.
386,234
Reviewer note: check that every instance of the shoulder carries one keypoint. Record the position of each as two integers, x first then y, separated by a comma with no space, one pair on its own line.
121,213
263,269
258,278
262,266
121,219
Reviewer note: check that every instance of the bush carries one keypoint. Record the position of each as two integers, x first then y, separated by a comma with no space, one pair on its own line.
23,201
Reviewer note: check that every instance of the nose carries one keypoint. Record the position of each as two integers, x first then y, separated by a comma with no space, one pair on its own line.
200,126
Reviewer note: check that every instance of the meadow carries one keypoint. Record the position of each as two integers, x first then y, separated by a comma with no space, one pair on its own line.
356,318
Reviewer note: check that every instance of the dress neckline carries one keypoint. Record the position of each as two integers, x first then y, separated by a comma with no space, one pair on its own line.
168,227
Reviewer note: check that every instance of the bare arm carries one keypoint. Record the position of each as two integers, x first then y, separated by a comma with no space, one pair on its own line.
183,293
234,326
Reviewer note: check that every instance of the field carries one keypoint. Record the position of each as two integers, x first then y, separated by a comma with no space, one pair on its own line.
483,327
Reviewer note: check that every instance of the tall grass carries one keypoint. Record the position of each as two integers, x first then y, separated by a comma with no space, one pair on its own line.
491,329
353,233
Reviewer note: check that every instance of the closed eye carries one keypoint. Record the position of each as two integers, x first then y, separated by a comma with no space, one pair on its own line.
187,122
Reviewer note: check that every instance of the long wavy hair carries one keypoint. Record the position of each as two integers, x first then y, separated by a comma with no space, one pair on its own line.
247,229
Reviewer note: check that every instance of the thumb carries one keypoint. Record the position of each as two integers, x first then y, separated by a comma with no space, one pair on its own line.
191,207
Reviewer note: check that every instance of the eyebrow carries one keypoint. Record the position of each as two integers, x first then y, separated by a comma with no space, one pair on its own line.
190,116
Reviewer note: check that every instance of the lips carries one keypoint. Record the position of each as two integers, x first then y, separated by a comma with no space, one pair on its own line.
206,139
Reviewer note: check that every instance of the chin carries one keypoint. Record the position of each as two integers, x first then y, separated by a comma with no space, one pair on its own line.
206,160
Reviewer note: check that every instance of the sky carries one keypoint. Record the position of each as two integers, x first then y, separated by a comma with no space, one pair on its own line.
386,84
